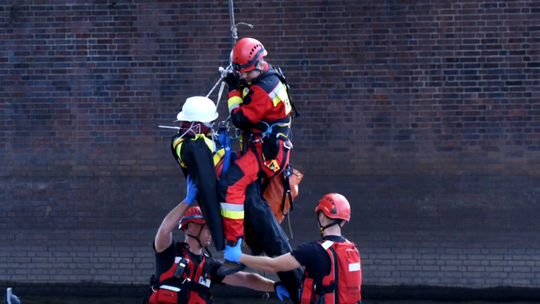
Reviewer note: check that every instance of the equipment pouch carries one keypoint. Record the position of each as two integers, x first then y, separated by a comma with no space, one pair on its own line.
167,294
280,191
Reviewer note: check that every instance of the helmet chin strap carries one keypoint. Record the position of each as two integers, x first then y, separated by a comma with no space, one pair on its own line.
322,228
243,82
197,237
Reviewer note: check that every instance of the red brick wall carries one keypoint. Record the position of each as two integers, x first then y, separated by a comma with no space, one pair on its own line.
425,114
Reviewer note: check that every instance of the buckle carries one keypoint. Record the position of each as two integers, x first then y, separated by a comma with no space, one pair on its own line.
272,165
287,144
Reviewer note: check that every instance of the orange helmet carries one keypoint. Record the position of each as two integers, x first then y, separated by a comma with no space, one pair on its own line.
192,215
246,54
335,206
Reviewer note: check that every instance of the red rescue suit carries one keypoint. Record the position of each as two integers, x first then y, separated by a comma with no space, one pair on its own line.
264,116
342,284
184,283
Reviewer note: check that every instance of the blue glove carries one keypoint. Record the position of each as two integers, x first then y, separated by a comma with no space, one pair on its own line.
281,291
191,192
233,254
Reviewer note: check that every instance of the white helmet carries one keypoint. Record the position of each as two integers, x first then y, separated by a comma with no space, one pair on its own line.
198,108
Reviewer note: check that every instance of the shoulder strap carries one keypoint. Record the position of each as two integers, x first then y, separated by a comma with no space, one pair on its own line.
334,285
175,141
282,78
207,267
287,188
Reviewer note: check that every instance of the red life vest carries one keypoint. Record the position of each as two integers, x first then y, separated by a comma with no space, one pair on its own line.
342,284
185,282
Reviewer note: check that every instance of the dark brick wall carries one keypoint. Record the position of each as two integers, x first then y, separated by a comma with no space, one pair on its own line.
425,114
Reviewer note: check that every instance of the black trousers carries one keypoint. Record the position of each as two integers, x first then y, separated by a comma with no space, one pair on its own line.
264,234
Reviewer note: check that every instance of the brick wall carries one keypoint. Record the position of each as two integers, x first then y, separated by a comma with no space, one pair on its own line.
425,114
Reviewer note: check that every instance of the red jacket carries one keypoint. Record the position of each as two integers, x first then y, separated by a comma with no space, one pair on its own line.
264,99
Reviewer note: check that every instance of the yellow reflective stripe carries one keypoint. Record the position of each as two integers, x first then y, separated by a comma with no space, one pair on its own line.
234,102
177,141
232,207
219,155
245,92
241,142
233,215
232,211
279,94
220,152
209,143
177,145
177,149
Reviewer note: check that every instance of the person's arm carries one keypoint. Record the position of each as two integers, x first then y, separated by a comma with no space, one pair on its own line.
164,235
249,280
284,262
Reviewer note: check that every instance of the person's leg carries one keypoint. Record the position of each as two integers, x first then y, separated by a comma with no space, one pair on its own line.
264,234
232,186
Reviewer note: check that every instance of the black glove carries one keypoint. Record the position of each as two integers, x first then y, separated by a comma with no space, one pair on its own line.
232,81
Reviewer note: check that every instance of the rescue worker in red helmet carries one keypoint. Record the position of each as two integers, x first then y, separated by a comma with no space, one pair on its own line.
332,265
183,274
259,105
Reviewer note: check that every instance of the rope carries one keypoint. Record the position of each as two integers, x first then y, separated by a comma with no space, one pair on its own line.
289,222
266,296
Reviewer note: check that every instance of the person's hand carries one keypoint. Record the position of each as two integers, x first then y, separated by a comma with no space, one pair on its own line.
233,254
191,192
281,291
232,81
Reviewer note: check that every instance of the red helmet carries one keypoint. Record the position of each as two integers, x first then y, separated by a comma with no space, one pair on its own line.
192,215
335,206
246,54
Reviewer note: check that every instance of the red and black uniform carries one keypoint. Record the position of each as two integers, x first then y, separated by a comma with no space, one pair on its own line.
264,116
333,274
183,277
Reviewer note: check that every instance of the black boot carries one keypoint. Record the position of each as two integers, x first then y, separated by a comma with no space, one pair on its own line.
229,267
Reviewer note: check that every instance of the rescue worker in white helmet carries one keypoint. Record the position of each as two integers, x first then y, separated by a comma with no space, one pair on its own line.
183,273
332,265
193,148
